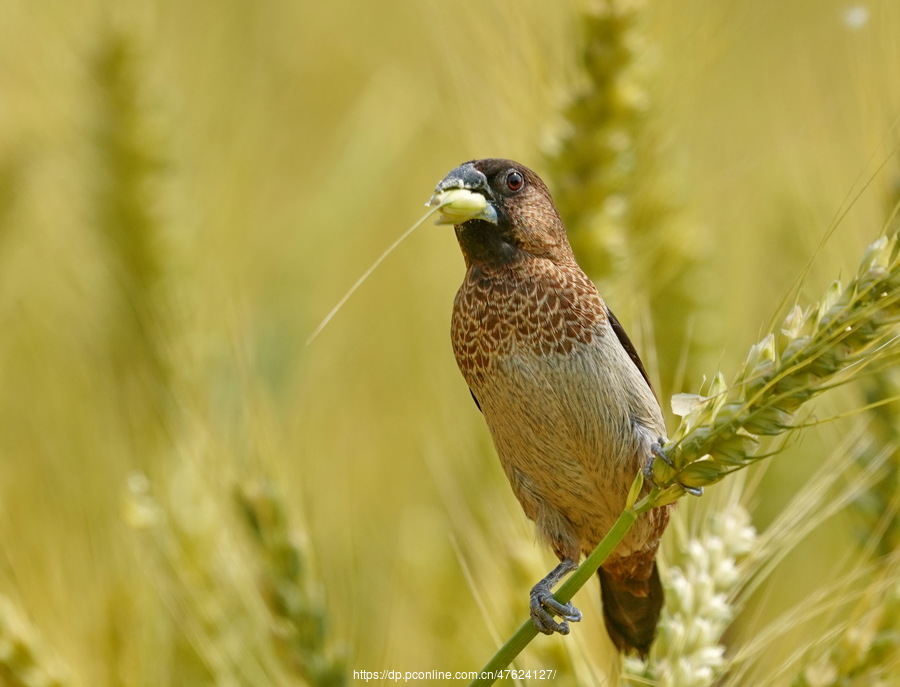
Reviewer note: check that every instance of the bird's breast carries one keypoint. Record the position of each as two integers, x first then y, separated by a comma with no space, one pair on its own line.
533,309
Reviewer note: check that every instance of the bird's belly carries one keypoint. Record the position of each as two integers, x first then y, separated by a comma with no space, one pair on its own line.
568,441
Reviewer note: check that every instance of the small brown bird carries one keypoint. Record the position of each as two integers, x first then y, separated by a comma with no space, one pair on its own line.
564,394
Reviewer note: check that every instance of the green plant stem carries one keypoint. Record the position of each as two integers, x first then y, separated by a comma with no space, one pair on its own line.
523,636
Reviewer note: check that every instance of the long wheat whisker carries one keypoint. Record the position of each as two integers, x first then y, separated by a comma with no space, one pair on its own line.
365,275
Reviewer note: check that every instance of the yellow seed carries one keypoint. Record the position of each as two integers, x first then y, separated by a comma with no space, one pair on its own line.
458,205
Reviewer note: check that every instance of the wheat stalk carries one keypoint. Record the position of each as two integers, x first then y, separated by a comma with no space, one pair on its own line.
614,187
700,583
298,617
128,196
851,329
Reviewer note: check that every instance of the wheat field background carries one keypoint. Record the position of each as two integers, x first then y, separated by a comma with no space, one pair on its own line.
190,495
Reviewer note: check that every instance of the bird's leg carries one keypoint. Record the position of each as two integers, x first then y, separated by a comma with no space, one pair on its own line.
544,606
656,451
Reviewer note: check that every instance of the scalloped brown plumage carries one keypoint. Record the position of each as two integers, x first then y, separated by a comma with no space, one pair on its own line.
565,396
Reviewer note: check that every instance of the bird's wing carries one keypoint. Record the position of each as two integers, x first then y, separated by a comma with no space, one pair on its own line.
475,398
628,346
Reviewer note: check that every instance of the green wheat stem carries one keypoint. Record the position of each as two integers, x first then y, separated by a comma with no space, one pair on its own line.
523,636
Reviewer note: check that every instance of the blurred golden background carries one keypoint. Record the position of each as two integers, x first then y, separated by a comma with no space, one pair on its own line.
186,189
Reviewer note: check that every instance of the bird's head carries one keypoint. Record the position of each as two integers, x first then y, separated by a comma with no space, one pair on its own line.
501,212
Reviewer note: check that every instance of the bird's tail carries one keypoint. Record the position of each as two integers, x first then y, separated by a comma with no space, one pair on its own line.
631,609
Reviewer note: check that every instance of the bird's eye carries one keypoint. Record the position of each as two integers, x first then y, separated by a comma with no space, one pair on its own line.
515,181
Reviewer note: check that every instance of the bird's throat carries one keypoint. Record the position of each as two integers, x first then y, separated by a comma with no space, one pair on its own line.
485,242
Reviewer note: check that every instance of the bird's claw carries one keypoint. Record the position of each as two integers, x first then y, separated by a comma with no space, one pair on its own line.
544,606
656,451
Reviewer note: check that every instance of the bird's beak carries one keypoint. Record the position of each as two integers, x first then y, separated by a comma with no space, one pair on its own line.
462,195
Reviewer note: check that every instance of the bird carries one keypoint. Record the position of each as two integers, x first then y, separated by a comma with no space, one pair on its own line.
565,396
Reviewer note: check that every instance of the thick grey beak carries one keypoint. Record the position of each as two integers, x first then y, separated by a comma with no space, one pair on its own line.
456,208
465,176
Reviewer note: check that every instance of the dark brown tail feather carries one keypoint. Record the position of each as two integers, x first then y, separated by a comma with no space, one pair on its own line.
631,610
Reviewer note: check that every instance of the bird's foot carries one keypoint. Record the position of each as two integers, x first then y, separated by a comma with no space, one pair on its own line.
544,606
656,451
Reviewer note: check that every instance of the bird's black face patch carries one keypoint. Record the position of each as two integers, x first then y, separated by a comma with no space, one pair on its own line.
486,242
